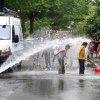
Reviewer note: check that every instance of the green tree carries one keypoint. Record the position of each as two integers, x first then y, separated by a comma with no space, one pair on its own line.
92,21
57,14
31,9
1,4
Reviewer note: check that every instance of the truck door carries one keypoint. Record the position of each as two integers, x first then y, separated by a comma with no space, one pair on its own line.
14,42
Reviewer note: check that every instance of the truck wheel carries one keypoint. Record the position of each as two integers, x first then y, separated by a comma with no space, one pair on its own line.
19,66
9,70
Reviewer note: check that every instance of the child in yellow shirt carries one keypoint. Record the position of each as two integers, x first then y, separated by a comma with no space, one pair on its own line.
82,58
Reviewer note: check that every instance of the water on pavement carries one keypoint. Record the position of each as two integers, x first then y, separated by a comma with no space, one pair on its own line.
48,85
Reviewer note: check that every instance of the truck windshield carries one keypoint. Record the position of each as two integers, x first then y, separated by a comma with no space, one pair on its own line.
4,32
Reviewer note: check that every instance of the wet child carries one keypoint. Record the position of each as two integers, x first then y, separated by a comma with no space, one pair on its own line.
62,50
36,59
82,58
91,49
47,55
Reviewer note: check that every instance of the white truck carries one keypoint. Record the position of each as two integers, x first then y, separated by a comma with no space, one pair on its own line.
11,37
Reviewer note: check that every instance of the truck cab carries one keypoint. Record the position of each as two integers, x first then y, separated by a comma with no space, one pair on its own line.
11,37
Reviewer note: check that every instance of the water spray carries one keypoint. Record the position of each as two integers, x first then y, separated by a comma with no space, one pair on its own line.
32,49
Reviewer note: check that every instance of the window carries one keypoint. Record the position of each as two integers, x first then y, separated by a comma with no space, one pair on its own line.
5,32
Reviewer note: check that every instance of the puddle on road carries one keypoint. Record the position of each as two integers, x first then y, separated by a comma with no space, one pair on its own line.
51,86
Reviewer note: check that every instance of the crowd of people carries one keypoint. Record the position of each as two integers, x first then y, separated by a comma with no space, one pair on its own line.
94,48
60,54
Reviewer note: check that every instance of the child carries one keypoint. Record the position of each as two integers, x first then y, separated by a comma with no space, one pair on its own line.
36,59
47,54
82,58
98,49
91,48
62,50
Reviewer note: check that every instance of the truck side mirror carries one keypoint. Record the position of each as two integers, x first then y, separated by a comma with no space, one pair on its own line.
16,39
4,26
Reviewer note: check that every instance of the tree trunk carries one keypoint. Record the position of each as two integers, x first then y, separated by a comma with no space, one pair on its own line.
23,26
31,22
1,4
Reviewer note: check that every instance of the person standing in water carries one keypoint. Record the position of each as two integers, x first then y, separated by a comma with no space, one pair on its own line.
61,55
47,55
97,41
91,49
36,59
82,58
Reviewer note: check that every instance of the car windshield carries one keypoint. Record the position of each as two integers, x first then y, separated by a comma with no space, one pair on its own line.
4,32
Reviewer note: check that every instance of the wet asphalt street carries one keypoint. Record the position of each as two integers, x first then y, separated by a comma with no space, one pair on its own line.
48,85
41,84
